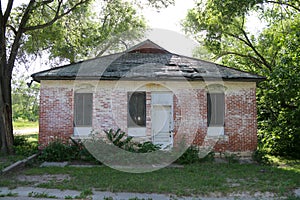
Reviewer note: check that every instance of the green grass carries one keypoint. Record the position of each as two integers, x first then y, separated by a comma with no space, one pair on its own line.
5,161
198,179
9,195
21,150
41,195
23,124
30,137
285,163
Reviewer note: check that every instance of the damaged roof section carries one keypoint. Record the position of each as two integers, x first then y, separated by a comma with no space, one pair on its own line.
145,61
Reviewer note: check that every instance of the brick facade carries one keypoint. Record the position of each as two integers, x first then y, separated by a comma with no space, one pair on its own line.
189,112
56,116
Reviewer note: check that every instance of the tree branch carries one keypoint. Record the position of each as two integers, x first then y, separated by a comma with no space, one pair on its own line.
22,27
263,60
274,57
56,17
237,37
1,13
284,3
12,28
19,33
7,11
252,58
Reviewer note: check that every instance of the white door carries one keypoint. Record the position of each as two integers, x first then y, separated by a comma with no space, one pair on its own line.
162,119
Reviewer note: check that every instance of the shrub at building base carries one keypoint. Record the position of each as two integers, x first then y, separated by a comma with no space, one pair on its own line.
24,147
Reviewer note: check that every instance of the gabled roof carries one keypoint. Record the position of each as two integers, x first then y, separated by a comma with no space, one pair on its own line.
144,61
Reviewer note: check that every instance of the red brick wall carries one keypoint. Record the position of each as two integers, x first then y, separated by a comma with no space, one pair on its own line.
241,120
110,111
56,114
240,131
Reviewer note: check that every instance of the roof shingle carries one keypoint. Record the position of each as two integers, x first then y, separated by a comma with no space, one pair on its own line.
146,61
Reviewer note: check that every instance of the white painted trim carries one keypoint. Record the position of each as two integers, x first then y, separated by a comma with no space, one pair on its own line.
215,131
137,131
82,131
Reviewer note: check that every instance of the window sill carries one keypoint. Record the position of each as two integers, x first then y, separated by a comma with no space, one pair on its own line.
137,131
215,130
223,138
82,131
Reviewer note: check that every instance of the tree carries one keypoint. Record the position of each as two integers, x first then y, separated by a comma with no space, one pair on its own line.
273,53
86,31
25,99
18,28
9,52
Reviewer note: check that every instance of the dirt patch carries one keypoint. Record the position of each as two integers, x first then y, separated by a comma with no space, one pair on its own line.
45,178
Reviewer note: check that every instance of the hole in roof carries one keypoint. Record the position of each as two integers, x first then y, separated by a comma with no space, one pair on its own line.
111,70
187,70
183,65
199,70
171,64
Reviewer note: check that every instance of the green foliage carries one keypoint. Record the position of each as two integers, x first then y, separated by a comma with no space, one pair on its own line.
273,53
58,151
210,157
24,124
25,99
119,138
279,97
87,32
293,197
108,198
50,27
260,156
231,158
147,147
41,195
191,155
84,155
84,194
191,180
22,146
10,194
81,153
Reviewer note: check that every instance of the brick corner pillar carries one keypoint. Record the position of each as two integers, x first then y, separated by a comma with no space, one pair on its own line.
56,114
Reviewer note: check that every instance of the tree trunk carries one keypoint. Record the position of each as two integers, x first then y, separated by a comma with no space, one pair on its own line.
6,129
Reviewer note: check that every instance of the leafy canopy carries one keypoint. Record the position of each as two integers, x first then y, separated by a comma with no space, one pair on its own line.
274,52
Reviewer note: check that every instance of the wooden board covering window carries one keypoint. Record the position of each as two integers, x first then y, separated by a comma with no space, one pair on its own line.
83,109
215,109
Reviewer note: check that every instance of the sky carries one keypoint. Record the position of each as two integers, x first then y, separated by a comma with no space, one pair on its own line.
170,17
166,28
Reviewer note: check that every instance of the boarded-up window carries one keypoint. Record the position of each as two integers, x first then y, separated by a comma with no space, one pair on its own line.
215,109
83,109
136,109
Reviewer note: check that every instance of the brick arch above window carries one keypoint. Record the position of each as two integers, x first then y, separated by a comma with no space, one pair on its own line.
84,88
216,88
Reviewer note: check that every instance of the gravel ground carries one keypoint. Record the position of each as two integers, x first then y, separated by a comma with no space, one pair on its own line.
23,192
